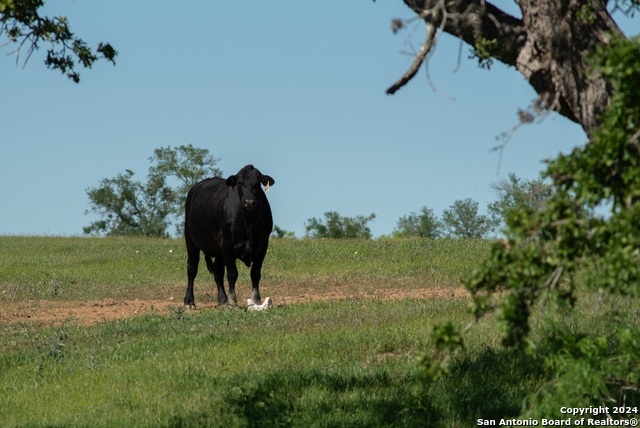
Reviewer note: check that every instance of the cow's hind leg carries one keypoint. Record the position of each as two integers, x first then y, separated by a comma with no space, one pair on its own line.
232,273
232,277
217,269
193,259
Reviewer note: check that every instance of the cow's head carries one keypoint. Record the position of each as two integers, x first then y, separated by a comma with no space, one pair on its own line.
247,183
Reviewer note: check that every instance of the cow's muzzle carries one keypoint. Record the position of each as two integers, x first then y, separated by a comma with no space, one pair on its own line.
250,204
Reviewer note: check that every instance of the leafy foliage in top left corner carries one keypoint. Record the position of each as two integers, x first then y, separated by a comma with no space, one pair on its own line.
22,24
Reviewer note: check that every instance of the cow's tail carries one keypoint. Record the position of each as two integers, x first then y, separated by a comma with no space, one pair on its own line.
209,263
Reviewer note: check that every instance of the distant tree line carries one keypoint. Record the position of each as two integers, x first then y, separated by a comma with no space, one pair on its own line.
132,208
461,220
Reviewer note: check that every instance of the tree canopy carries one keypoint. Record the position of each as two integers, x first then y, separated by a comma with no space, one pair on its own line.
130,208
423,225
337,227
463,221
280,233
188,165
515,193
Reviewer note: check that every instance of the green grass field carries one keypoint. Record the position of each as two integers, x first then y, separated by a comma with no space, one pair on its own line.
343,363
90,268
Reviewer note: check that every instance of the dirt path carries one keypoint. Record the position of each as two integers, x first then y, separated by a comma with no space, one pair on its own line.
45,312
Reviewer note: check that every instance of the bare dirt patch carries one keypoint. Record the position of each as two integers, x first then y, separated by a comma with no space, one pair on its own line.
52,313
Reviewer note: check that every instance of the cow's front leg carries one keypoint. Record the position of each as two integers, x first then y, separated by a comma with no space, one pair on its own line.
255,279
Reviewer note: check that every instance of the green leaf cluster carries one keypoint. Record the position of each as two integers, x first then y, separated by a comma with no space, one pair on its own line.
22,24
483,50
590,372
445,339
586,13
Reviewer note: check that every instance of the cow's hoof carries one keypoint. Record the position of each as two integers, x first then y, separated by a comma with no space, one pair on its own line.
190,307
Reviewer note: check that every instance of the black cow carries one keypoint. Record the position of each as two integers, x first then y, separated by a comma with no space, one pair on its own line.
228,220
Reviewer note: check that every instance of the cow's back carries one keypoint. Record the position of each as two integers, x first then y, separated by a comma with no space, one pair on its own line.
205,215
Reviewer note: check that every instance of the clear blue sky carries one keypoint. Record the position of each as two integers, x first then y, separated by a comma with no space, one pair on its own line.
295,88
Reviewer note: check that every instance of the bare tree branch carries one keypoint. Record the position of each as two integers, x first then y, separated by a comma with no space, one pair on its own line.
459,57
549,45
506,137
471,19
433,87
417,62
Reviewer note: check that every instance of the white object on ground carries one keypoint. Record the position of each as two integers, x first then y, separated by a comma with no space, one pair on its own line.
267,304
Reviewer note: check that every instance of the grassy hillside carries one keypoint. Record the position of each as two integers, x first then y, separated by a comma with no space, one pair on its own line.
341,363
55,268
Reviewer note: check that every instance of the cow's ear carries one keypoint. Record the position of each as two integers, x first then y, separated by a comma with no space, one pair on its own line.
232,181
267,180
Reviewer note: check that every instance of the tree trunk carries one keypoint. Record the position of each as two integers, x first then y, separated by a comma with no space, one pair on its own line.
549,46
